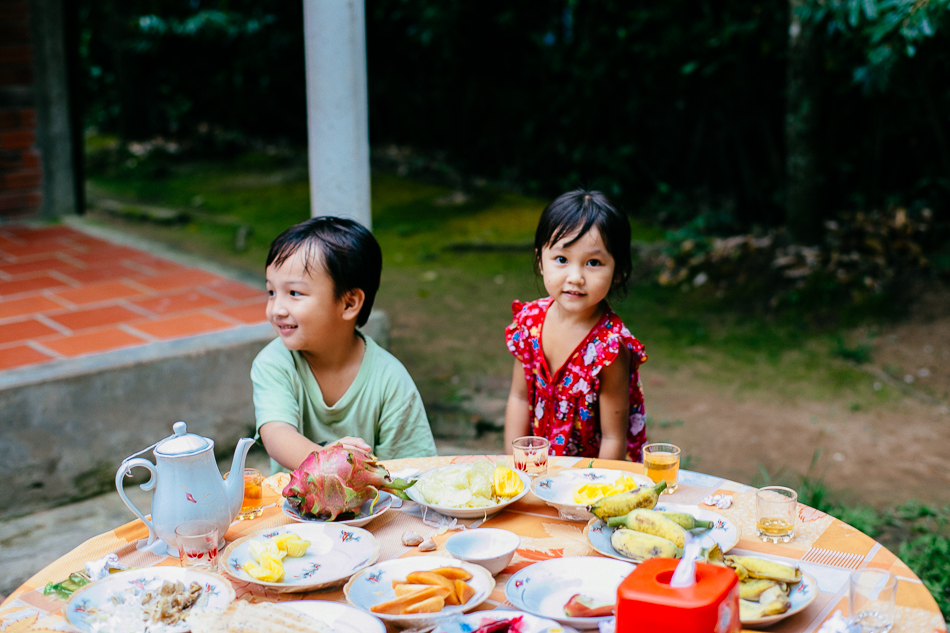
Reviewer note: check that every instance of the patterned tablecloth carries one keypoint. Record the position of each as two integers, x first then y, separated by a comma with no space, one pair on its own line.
823,546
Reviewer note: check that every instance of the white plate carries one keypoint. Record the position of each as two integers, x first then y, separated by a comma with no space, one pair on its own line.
801,595
81,609
375,585
724,532
336,552
529,623
545,587
341,618
367,513
558,490
466,513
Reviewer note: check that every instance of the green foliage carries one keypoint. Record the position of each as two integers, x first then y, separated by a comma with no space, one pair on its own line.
884,29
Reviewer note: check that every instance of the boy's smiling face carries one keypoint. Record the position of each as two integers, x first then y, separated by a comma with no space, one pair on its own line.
302,305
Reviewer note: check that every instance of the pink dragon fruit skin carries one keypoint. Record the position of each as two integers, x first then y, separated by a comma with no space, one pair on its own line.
337,480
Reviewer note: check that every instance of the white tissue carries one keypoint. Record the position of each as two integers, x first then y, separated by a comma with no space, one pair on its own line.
839,624
685,573
607,626
719,501
99,569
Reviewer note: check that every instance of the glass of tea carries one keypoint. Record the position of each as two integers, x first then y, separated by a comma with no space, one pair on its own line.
662,462
530,454
251,507
871,598
776,511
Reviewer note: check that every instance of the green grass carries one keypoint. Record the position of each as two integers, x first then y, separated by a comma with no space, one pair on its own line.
453,296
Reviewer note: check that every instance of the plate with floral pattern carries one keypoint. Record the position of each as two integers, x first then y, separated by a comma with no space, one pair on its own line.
528,623
114,602
724,532
336,552
557,490
368,511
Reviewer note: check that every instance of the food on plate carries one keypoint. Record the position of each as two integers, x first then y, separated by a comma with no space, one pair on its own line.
269,554
686,521
769,570
773,601
651,522
477,485
339,480
428,592
169,604
581,606
621,504
264,617
642,546
764,585
588,493
500,626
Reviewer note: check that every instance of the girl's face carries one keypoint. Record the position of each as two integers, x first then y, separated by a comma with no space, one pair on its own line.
578,277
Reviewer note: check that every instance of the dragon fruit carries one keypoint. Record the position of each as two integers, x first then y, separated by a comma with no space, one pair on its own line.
337,480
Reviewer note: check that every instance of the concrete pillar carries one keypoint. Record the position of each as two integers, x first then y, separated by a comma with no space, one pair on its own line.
51,89
337,111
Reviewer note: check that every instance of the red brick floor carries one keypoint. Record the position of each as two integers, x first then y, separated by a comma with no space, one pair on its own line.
65,294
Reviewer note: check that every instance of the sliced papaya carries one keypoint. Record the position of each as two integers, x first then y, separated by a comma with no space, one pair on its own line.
464,591
429,605
453,573
397,605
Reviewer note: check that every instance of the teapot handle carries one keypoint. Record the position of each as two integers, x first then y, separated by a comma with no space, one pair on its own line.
127,467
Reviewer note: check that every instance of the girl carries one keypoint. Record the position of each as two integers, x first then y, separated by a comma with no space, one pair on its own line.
575,378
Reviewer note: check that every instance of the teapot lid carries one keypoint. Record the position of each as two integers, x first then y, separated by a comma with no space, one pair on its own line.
182,443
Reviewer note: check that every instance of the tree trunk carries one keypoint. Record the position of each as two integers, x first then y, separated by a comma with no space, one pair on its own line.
803,213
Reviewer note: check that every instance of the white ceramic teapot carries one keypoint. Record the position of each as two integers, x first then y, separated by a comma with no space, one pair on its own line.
188,485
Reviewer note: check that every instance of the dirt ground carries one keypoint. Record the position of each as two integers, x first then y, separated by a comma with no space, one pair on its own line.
879,452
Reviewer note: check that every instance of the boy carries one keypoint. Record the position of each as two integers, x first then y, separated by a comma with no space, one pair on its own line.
323,382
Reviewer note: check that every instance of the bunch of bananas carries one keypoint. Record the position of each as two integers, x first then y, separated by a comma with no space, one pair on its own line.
642,531
764,585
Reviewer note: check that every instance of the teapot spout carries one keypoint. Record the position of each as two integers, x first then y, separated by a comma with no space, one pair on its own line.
235,481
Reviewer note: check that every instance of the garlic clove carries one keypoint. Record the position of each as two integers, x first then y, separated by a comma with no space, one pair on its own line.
410,538
427,545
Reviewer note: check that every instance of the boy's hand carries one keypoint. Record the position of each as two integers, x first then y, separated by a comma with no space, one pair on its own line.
353,443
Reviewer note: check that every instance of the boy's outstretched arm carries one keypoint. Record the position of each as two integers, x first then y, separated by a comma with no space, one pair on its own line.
289,448
518,410
614,404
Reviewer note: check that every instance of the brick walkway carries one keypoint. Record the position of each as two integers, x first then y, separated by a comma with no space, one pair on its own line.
65,294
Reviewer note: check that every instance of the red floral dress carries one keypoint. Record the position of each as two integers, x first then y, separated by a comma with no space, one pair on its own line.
564,406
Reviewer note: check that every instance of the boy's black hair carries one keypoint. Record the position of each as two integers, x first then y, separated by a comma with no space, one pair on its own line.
574,213
350,254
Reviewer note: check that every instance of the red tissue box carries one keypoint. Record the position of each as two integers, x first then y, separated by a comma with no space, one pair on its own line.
646,602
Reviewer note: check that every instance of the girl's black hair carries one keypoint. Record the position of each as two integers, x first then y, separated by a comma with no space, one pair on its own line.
350,254
574,213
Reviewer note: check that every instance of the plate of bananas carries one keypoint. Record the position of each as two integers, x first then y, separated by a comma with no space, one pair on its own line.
658,530
769,591
573,491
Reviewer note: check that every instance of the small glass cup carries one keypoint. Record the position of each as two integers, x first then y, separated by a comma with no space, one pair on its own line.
662,462
531,454
871,597
776,512
251,507
197,544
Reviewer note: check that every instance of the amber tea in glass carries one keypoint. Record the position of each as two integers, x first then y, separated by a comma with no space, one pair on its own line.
662,462
251,507
776,511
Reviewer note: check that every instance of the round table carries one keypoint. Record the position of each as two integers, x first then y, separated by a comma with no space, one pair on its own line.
823,546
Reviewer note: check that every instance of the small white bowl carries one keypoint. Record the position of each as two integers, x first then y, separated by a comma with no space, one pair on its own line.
491,548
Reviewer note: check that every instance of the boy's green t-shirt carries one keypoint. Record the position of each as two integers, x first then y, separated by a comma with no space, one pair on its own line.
382,406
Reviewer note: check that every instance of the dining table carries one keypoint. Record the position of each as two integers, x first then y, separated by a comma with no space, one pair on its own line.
824,547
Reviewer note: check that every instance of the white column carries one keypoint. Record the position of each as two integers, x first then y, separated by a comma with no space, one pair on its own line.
337,111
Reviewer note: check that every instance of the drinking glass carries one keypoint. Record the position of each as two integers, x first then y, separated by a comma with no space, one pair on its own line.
662,462
251,507
531,454
197,544
871,597
776,512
